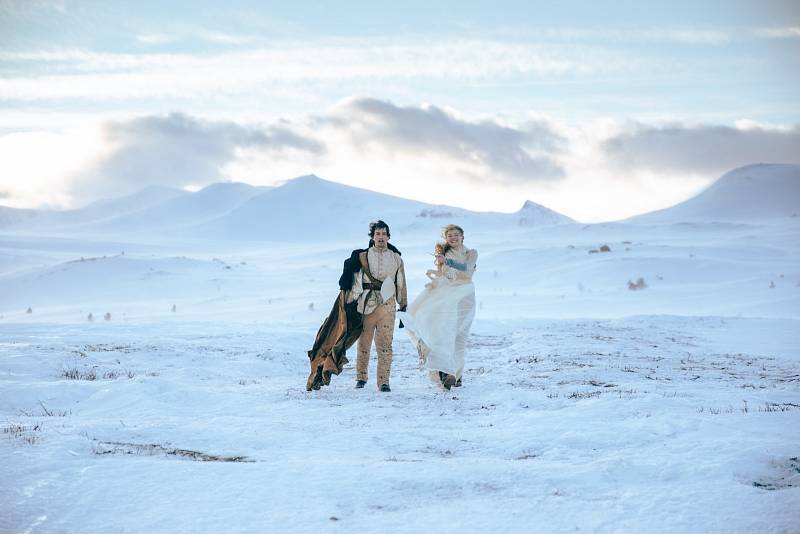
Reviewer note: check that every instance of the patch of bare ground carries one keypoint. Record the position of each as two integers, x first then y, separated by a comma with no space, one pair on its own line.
785,474
154,449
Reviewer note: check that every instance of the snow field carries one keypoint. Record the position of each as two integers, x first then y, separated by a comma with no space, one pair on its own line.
674,407
639,424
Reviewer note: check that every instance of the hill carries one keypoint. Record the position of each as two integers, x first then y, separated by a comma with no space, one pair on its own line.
755,193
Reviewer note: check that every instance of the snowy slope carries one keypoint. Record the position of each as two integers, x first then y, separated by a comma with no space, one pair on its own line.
171,215
688,270
533,214
108,278
648,424
586,406
309,208
559,271
304,208
11,216
751,194
547,269
67,221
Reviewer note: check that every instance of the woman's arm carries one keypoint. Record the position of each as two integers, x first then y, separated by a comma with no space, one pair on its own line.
462,271
472,261
457,265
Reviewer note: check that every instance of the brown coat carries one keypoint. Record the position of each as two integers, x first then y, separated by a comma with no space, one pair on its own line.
338,332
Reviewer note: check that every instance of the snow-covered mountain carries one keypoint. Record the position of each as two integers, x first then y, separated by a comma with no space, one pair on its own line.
748,194
288,243
182,211
304,208
152,211
12,216
617,345
66,221
310,207
533,214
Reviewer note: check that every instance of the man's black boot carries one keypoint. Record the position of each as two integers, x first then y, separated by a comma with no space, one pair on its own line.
385,388
360,384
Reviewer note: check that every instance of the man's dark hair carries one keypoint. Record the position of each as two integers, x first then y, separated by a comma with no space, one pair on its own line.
376,225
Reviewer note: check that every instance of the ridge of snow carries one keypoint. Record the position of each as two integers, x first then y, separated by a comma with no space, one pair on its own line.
753,193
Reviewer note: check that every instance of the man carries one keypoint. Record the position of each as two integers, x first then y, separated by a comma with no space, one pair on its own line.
378,286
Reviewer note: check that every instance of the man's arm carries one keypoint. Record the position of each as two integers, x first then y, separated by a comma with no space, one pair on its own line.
402,294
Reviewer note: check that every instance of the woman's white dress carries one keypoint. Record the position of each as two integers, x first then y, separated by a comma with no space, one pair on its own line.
439,319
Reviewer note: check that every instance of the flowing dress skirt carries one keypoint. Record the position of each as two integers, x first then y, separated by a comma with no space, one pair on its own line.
438,323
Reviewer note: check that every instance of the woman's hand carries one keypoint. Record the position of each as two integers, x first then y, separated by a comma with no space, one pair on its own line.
440,259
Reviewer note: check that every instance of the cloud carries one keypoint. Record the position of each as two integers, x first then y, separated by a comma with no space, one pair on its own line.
778,33
156,38
646,35
226,38
89,75
502,151
703,149
178,150
592,171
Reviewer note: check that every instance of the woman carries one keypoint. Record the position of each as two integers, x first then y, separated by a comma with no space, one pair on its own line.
439,319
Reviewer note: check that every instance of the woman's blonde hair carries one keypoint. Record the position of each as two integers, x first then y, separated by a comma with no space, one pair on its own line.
443,246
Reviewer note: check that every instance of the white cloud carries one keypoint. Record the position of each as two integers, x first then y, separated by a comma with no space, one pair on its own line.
595,171
35,166
227,38
485,149
628,35
156,38
191,34
89,75
698,36
787,32
702,148
177,150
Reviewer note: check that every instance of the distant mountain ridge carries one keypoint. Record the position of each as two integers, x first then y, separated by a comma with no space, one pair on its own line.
309,205
754,193
185,210
301,207
11,216
533,214
54,220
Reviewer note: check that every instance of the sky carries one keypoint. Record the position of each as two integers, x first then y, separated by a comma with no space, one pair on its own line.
598,110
